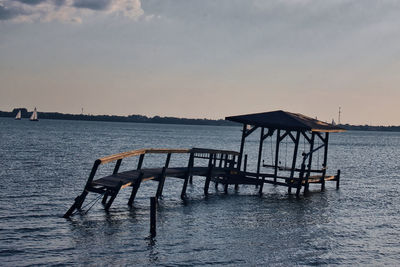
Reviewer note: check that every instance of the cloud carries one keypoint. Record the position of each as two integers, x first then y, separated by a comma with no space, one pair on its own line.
93,4
31,2
66,10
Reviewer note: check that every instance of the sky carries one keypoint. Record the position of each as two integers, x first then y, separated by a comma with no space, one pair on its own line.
203,59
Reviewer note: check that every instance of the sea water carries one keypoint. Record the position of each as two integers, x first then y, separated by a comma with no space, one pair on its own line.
44,165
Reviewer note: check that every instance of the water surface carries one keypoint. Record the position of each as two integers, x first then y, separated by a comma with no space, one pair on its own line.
45,164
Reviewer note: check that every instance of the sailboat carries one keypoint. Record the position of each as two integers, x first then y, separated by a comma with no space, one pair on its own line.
18,117
34,116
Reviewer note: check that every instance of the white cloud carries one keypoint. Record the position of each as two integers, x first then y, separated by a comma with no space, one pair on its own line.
66,10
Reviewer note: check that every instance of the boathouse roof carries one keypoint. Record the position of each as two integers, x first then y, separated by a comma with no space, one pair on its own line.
286,121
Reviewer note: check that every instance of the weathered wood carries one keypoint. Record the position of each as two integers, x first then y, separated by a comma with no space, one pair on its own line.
187,175
153,219
80,199
325,160
338,179
278,141
117,165
140,162
303,167
248,132
162,177
113,196
310,157
260,147
242,145
208,177
135,188
296,147
104,200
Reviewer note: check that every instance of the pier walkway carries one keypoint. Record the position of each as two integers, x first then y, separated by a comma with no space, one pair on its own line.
218,166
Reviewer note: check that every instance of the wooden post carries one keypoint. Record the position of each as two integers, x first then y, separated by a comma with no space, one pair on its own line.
162,177
312,140
136,184
296,146
140,162
104,200
325,161
337,179
260,147
80,199
135,188
113,196
208,177
117,165
245,163
153,212
187,175
278,141
303,167
242,145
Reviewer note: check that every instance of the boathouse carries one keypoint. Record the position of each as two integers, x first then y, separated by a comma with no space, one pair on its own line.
223,166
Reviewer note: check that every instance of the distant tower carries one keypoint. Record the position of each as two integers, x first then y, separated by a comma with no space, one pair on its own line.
340,112
82,111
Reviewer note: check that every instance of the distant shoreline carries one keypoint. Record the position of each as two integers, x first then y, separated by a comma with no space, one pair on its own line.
115,118
165,120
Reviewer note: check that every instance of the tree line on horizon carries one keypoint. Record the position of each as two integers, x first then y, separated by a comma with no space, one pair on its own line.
166,120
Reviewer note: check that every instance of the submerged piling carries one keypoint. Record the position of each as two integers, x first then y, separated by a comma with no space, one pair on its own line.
153,207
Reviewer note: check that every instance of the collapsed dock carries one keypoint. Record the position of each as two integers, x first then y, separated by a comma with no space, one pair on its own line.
223,166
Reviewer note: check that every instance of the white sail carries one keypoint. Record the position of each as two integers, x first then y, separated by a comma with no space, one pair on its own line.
18,117
34,115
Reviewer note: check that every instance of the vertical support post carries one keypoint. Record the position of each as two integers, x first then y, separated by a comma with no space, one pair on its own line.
312,141
113,196
242,146
117,165
81,198
245,163
136,185
325,161
187,175
162,177
278,141
208,177
153,212
303,167
135,188
260,147
296,147
140,162
104,200
337,179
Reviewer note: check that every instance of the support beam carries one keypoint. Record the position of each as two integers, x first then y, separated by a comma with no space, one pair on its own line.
81,198
135,188
113,196
162,177
312,140
296,147
187,175
260,147
324,165
117,165
278,141
300,182
208,177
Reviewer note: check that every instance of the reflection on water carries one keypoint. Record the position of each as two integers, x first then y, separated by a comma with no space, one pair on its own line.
44,166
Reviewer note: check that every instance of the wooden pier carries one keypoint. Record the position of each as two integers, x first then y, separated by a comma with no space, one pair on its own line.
220,166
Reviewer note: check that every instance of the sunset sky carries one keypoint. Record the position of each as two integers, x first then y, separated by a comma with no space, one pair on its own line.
203,59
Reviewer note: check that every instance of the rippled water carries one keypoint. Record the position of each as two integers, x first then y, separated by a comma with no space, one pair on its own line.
45,164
